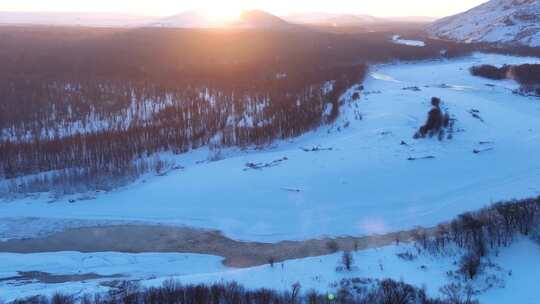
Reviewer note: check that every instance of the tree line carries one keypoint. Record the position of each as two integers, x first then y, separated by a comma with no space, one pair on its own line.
527,75
349,291
480,232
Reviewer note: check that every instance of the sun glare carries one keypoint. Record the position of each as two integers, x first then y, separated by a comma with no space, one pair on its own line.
223,11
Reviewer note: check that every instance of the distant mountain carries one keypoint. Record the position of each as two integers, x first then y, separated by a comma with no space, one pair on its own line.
252,19
411,19
255,19
331,19
73,19
497,21
188,19
340,20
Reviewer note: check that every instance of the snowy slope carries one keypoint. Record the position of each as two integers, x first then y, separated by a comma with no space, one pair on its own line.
513,274
256,19
497,21
365,184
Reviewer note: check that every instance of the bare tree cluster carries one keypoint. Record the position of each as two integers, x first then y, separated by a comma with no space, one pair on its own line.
177,119
437,122
354,291
528,75
479,232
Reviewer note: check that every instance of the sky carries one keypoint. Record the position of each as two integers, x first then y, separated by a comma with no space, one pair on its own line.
433,8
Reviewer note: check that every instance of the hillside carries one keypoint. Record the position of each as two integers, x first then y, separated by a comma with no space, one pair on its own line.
334,181
497,21
188,19
256,19
328,19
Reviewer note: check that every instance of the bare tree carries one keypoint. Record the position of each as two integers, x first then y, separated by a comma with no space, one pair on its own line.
271,261
332,246
470,265
347,260
295,292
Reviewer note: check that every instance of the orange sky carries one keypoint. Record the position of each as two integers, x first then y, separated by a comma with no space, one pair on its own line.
434,8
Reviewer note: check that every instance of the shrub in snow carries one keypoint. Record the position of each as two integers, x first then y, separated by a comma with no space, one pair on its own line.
347,260
436,123
469,265
127,292
490,72
407,256
271,261
386,291
458,294
295,293
61,299
215,155
350,291
480,232
528,75
332,246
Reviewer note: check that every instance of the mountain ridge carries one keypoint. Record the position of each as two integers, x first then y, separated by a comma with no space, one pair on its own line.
496,21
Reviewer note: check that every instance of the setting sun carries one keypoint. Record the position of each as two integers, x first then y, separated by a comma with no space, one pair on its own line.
222,12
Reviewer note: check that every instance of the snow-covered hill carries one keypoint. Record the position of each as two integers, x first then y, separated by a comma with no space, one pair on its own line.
341,20
252,19
188,19
497,21
331,19
256,19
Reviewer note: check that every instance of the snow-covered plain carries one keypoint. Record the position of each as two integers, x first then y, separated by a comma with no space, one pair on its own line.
365,184
513,277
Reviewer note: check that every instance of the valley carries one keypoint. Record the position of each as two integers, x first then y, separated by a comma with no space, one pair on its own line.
270,152
332,182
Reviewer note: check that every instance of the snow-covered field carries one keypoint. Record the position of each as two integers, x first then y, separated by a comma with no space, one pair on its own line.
514,277
365,184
